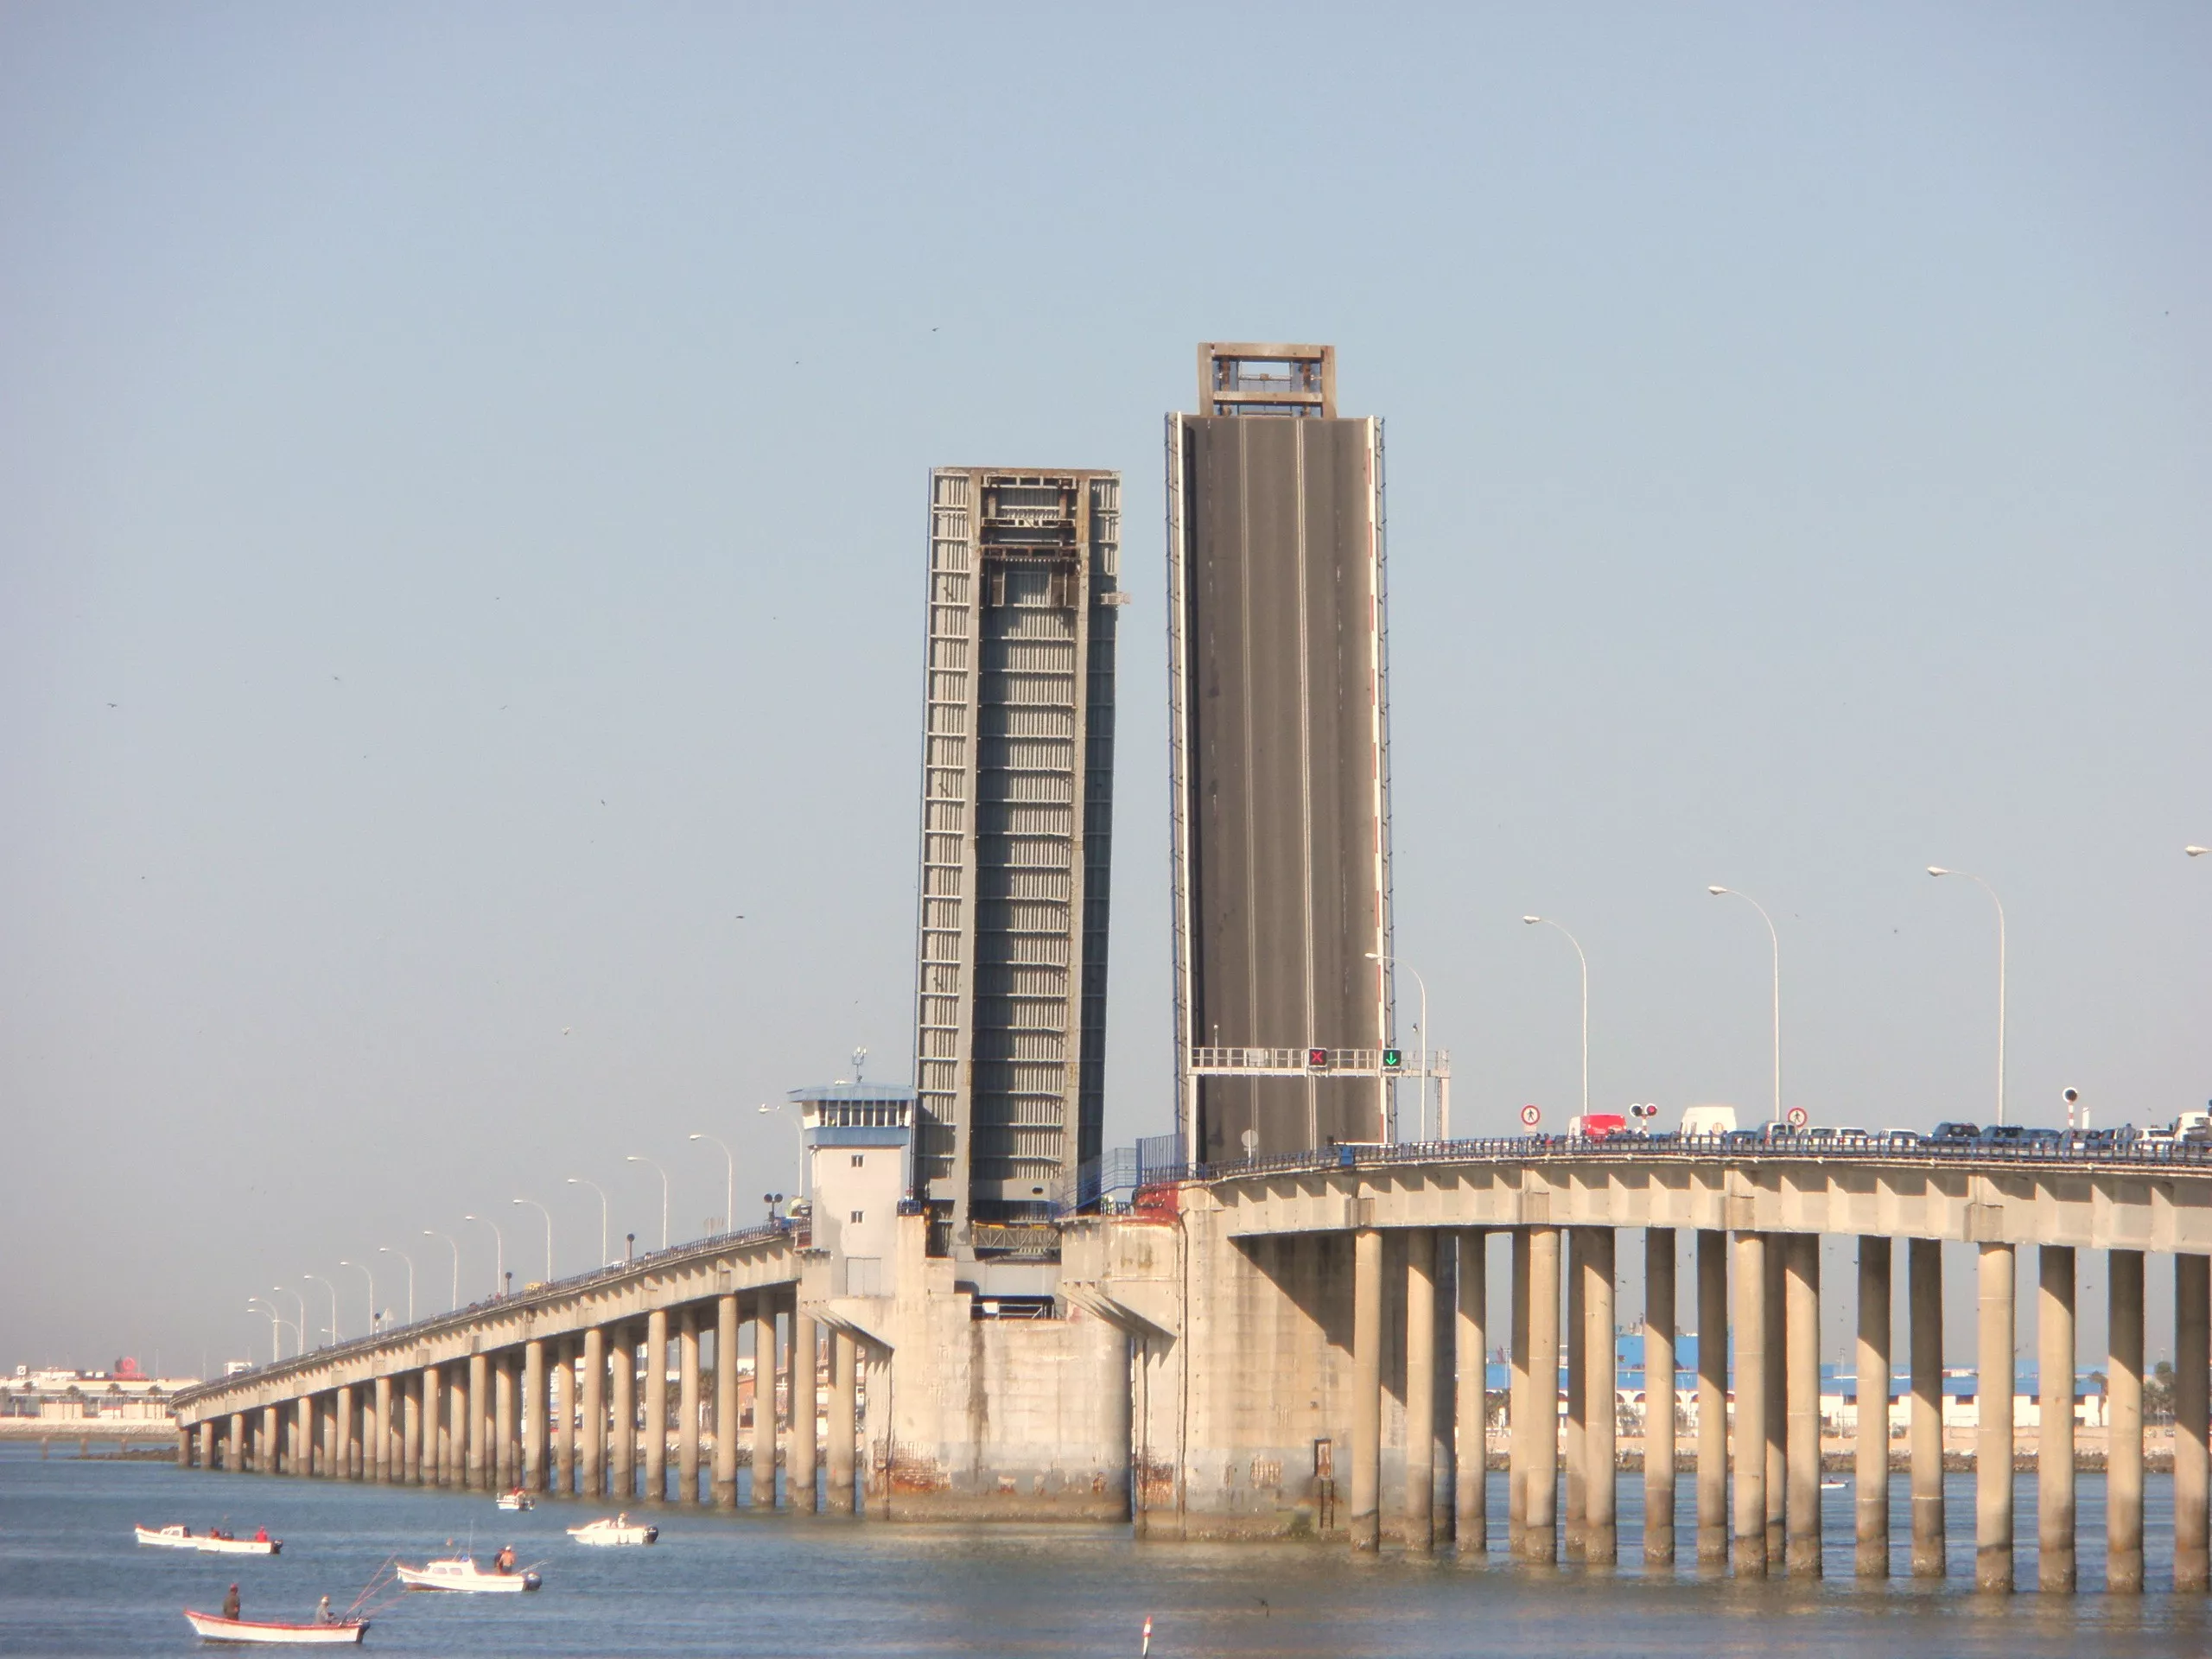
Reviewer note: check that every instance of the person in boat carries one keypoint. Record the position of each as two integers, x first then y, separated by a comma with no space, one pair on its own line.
505,1560
230,1603
323,1613
261,1535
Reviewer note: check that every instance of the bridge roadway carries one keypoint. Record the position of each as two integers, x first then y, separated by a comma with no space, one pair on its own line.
1217,1353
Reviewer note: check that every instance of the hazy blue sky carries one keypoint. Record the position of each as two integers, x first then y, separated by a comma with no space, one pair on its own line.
461,485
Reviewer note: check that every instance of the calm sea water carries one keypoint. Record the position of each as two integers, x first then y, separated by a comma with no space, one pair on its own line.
72,1581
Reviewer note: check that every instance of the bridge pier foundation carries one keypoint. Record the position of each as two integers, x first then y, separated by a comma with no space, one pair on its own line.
1600,1400
2055,1420
1871,1442
1471,1403
1751,1405
656,1406
1801,1347
1539,1536
725,1474
1659,1397
687,1405
1924,1311
2192,1363
1712,1398
1993,1385
1420,1391
2123,1419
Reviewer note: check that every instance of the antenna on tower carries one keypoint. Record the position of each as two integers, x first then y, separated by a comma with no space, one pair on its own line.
860,1063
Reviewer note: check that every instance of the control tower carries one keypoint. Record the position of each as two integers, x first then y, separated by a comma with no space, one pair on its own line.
1280,760
1017,821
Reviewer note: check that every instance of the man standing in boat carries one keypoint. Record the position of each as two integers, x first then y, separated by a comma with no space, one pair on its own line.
323,1613
230,1603
505,1560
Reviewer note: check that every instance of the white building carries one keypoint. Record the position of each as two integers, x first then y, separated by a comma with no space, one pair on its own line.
859,1168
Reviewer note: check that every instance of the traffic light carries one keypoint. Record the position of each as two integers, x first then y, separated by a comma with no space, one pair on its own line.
1394,1060
1317,1059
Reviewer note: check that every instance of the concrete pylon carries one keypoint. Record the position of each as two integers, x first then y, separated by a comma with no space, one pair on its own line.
562,1401
2192,1363
1421,1390
1520,1412
1802,1345
1871,1442
534,1436
379,1468
805,1411
1751,1436
234,1457
1659,1397
1777,1400
843,1435
1712,1398
764,1401
622,1411
1366,1520
1600,1401
1573,1454
656,1406
726,1430
2054,1561
687,1406
271,1451
410,1432
1924,1314
591,1455
1471,1400
503,1423
1539,1534
1995,1331
2124,1436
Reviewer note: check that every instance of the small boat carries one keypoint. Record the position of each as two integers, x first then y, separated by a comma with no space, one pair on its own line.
462,1573
517,1499
168,1537
620,1530
208,1543
213,1627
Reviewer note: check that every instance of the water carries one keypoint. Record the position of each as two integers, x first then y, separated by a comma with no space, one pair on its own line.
72,1582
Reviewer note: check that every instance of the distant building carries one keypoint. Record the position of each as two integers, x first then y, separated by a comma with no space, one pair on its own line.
857,1170
122,1395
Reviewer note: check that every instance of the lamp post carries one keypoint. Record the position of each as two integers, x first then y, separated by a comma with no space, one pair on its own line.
386,1249
317,1278
1547,921
548,1214
499,1256
639,1158
1938,870
362,1268
730,1193
1776,938
300,1325
766,1110
1392,962
453,1300
255,1305
578,1181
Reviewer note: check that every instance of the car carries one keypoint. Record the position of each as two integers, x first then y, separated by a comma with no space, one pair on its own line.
1953,1134
2003,1135
1896,1137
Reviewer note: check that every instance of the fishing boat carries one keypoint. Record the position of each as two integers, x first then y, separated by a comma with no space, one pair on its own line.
462,1573
208,1543
213,1627
517,1499
619,1530
168,1537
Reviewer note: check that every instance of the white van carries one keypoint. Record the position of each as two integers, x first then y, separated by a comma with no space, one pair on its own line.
1703,1121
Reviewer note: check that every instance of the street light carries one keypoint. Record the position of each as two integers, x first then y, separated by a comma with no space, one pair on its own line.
362,1267
729,1194
300,1325
318,1278
548,1214
387,1250
1937,869
1392,962
1547,922
498,1254
452,1301
255,1305
578,1181
1777,939
639,1158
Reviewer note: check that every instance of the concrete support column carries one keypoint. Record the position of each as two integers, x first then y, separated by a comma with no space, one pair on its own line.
1520,1415
380,1458
235,1459
764,1401
806,1406
201,1453
345,1432
1658,1396
410,1430
1539,1536
186,1440
2192,1371
533,1415
560,1455
1777,1400
1572,1453
591,1455
1600,1400
271,1452
622,1379
1712,1398
687,1406
2055,1420
2124,1418
1421,1390
725,1475
657,1405
1471,1400
1802,1349
1992,1487
844,1403
1924,1311
1871,1442
1751,1405
471,1419
503,1423
303,1437
1366,1388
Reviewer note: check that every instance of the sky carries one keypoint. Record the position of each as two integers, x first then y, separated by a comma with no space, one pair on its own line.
461,545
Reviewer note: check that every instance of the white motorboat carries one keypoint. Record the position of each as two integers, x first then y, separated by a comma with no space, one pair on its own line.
168,1537
207,1542
619,1530
213,1627
462,1573
517,1499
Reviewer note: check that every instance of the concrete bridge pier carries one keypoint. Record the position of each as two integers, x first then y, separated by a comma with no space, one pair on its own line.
201,1453
622,1450
379,1458
1992,1494
725,1472
687,1405
533,1415
2124,1414
805,1409
503,1423
1539,1534
410,1430
474,1412
1520,1422
2055,1420
1421,1390
764,1401
1924,1313
1751,1405
1575,1477
1871,1443
347,1433
1801,1344
265,1454
234,1457
591,1455
1600,1412
844,1404
1712,1398
1365,1518
656,1406
303,1437
463,1448
1471,1403
2192,1363
1777,1400
1659,1397
561,1452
